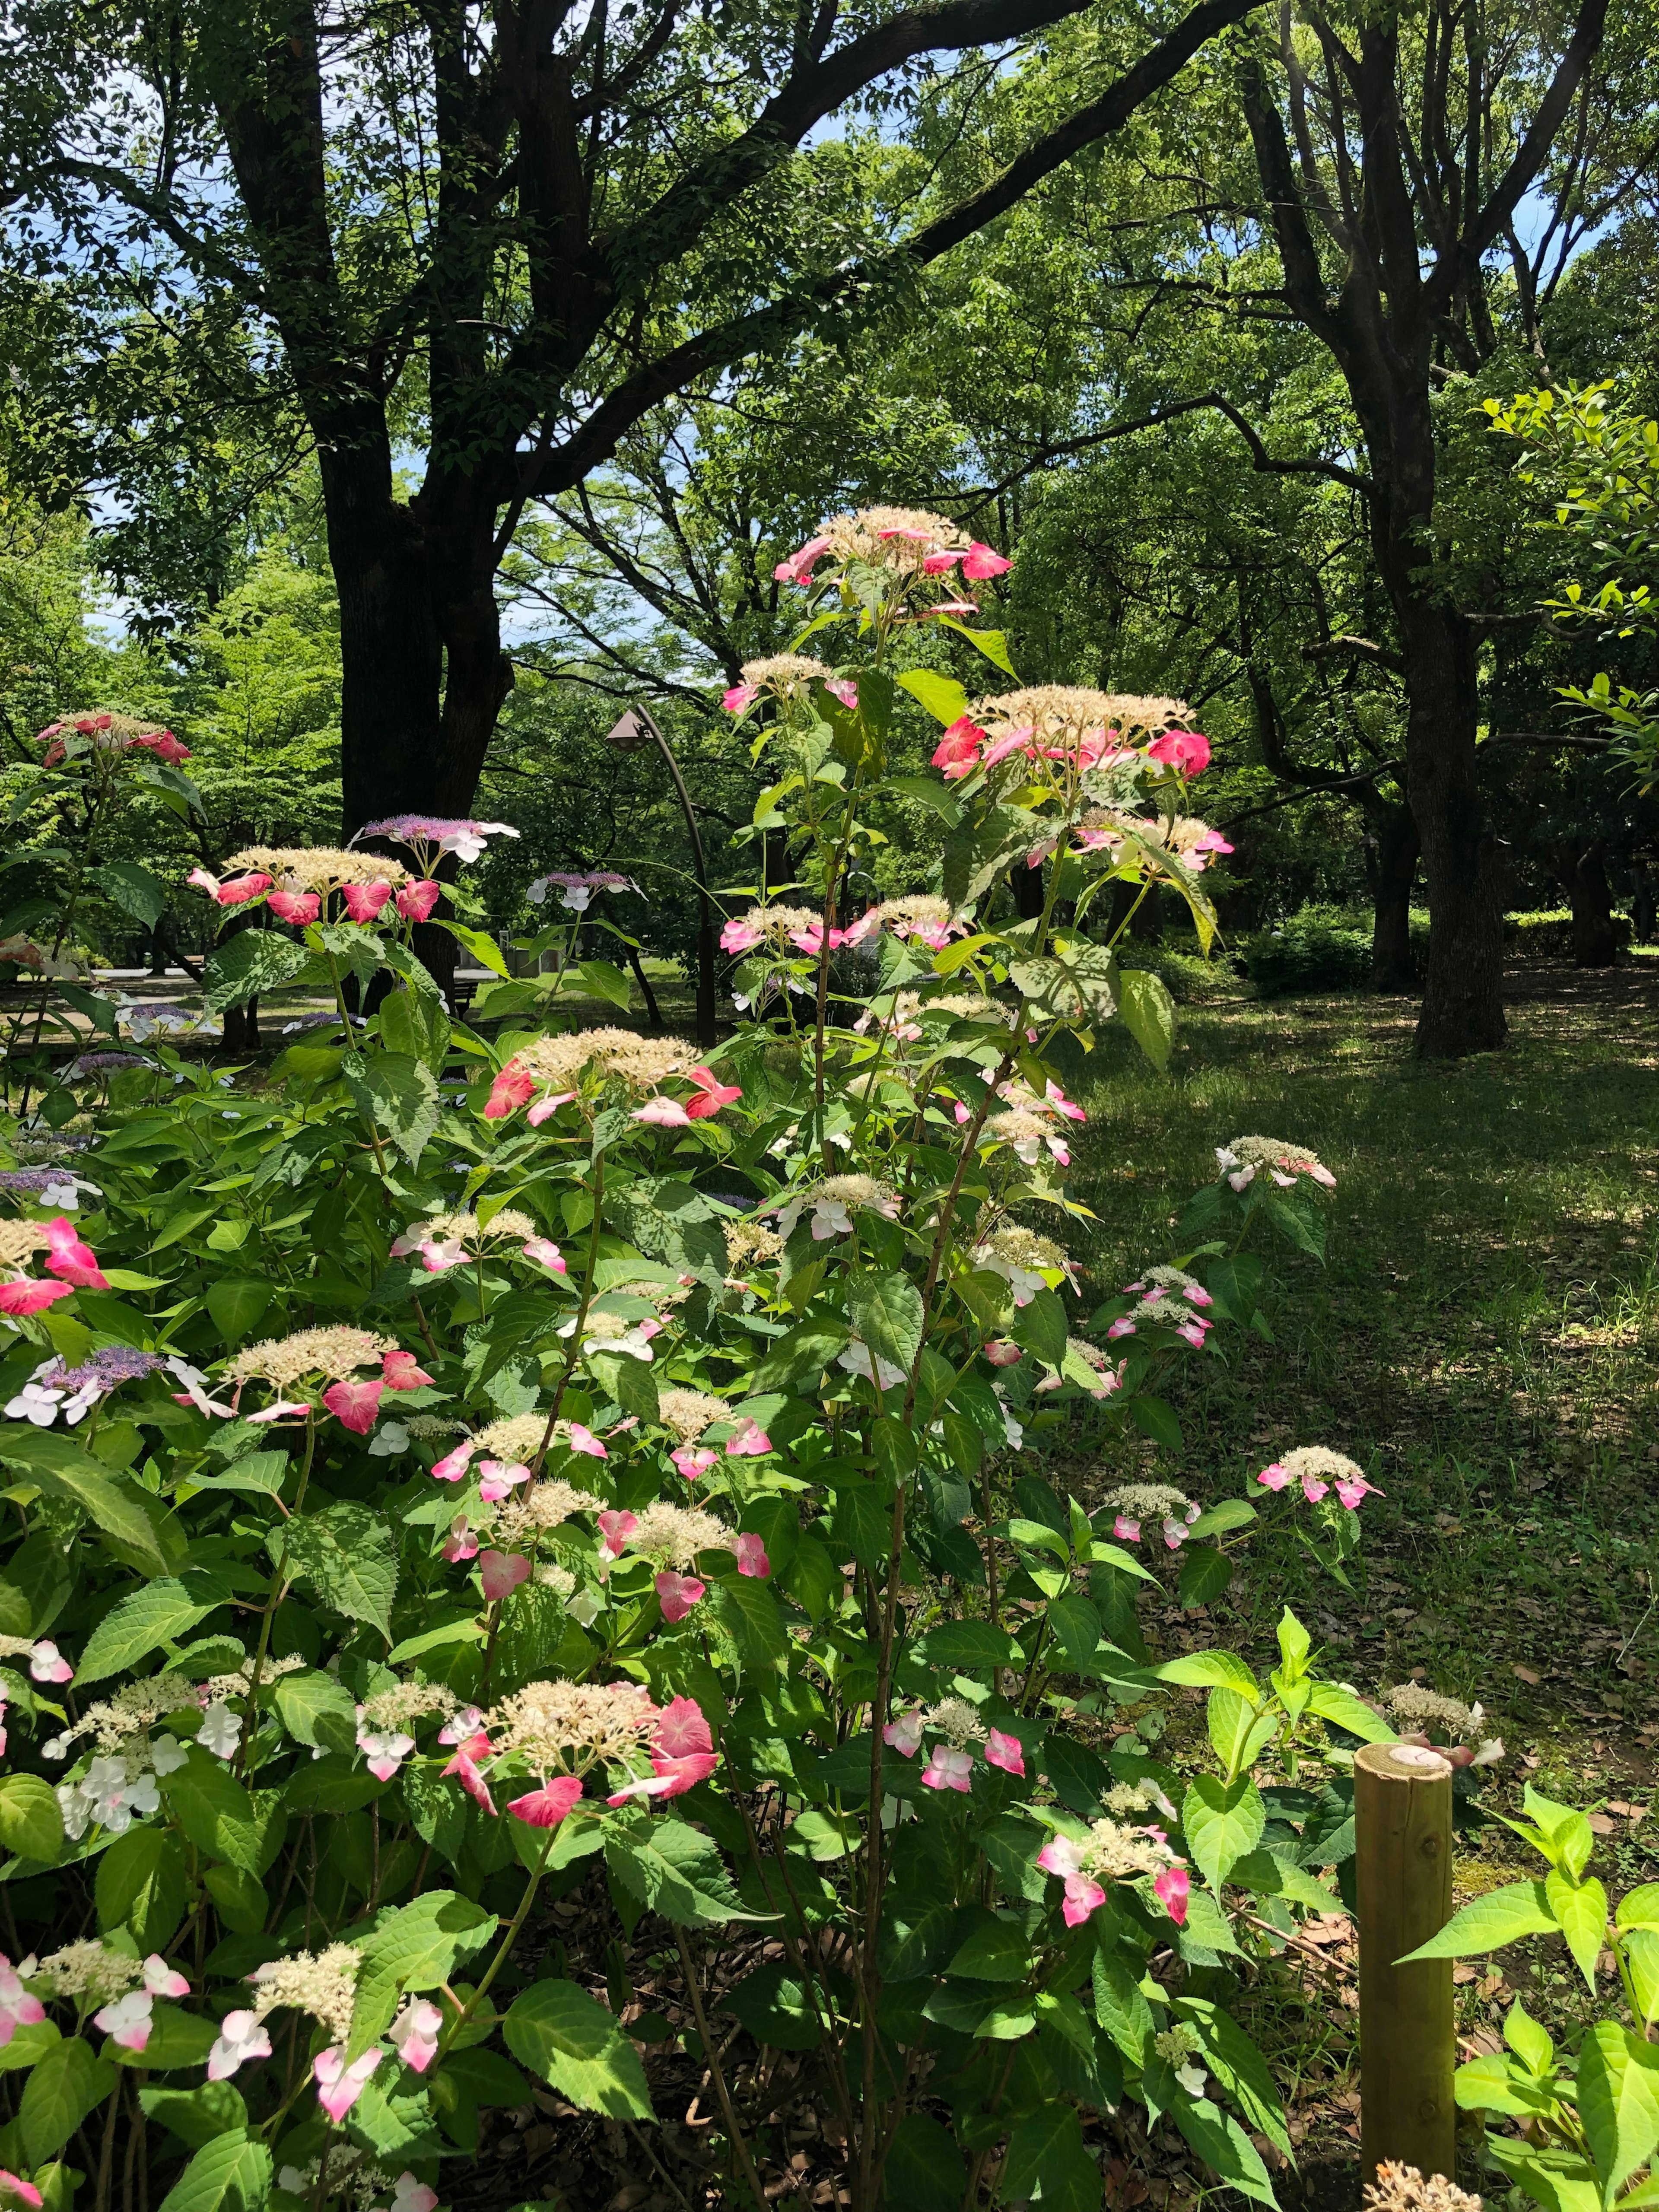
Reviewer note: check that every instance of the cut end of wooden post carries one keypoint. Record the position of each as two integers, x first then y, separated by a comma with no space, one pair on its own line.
1407,2045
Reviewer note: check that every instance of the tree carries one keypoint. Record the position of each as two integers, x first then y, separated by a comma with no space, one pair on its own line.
500,235
1392,161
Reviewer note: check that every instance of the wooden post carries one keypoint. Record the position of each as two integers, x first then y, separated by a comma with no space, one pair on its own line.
1407,2045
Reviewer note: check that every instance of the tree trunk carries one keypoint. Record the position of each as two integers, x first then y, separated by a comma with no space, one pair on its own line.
1583,869
1643,914
1462,993
1392,848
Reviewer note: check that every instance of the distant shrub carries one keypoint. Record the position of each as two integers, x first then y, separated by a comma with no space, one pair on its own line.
1321,948
1548,935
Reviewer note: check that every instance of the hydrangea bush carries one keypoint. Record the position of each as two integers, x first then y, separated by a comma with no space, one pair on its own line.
459,1476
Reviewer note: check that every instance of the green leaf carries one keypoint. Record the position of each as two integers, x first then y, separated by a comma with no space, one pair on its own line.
1221,1821
1581,1908
68,2080
1344,1710
991,642
1148,1013
1039,1326
1618,2087
561,2033
478,942
1120,2006
141,1884
396,1096
676,1870
1529,2041
230,2173
240,967
219,1816
156,1613
1076,984
1205,1573
30,1820
1221,1519
196,2116
1212,1670
970,1645
1638,1907
318,1711
1275,1874
417,1948
1206,1929
133,888
775,2008
746,1609
1075,1625
1231,1717
62,1469
348,1556
238,1304
925,2170
1488,1923
1555,2179
1216,2135
886,1312
605,981
1239,2067
1155,1418
238,1898
995,1951
942,696
177,2038
1048,2159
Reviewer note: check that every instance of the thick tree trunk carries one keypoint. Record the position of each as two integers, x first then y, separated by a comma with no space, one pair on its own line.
1582,870
1392,848
1462,994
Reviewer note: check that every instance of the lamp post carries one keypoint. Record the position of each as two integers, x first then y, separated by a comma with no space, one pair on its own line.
636,729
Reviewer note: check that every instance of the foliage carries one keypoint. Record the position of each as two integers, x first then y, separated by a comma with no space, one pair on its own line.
645,1513
1318,948
1590,2136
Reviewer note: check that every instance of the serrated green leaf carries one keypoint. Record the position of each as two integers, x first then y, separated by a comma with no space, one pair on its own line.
1488,1923
560,2033
1221,1821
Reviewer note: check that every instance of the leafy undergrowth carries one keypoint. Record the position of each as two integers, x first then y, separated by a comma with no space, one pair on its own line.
1482,1340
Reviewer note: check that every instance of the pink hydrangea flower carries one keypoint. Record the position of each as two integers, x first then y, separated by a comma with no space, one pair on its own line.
583,1440
501,1573
354,1404
1186,750
414,2034
546,1806
1351,1488
1126,1529
10,2184
1171,1887
339,2085
454,1463
692,1463
752,1555
462,1541
400,1370
1001,1353
1061,1856
981,562
677,1594
904,1734
1004,1751
681,1753
416,901
748,1440
958,750
17,2007
71,1259
798,568
546,1254
740,698
615,1527
513,1088
464,1768
948,1770
30,1295
364,901
1274,1477
242,2036
48,1664
499,1480
296,906
711,1094
738,936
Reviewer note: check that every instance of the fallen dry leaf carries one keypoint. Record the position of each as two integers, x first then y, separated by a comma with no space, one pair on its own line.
1526,1673
1601,1825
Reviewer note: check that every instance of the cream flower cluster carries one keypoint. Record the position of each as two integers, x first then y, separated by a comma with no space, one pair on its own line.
284,1361
1243,1158
567,1726
320,868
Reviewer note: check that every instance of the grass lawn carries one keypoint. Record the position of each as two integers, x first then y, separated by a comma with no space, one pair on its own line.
1483,1342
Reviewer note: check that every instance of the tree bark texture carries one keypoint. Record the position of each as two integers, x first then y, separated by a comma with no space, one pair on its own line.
1392,849
1582,866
